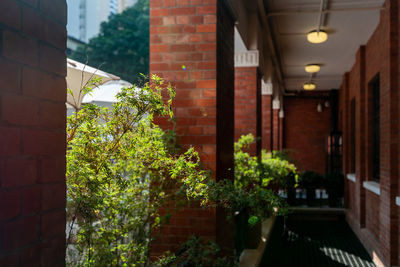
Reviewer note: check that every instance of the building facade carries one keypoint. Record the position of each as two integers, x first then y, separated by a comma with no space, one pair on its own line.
200,34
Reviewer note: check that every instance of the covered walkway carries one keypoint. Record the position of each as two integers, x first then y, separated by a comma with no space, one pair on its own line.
316,243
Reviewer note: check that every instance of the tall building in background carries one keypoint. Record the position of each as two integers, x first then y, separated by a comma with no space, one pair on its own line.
86,16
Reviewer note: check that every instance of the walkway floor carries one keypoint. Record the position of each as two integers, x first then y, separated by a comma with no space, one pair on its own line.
315,243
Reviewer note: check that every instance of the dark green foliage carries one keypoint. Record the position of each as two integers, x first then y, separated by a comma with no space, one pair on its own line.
122,46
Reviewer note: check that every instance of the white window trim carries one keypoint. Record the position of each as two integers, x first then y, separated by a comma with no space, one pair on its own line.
398,201
351,177
373,187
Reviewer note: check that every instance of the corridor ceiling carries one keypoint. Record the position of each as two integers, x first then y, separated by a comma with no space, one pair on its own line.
349,24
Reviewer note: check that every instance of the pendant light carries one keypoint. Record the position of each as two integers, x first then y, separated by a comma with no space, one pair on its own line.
312,68
309,86
317,37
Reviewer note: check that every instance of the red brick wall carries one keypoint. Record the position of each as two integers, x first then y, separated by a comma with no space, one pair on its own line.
266,107
275,129
32,130
199,36
381,217
247,105
306,131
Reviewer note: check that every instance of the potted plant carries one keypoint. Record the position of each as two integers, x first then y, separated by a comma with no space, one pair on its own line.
310,180
334,185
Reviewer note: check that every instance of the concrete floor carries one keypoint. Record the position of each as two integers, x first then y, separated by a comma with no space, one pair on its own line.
314,242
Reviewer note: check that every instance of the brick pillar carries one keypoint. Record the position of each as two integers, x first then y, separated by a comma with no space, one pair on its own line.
281,126
275,124
191,46
345,134
389,178
266,106
248,98
32,131
361,133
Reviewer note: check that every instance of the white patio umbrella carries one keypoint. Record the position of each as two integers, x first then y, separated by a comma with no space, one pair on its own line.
104,95
78,75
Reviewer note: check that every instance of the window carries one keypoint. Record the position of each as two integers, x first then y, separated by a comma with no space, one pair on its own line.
353,136
375,125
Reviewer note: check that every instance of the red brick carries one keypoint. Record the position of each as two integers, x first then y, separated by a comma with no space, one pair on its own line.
20,48
57,9
9,204
40,142
52,169
53,60
158,13
169,21
183,19
31,200
53,224
31,256
206,47
169,3
52,115
19,110
206,84
10,77
206,28
206,65
202,10
182,11
33,23
53,251
158,30
156,21
18,172
11,15
20,232
209,19
159,48
53,196
43,85
12,146
196,19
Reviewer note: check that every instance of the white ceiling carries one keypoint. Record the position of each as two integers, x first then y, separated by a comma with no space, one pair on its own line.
347,31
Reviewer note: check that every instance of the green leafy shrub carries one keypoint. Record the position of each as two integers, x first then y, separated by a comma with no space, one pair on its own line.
114,156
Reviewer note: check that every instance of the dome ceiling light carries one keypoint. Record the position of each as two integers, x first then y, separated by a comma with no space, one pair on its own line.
309,86
317,37
312,68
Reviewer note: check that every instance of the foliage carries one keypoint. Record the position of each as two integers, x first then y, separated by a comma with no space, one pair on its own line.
278,170
122,46
273,169
113,156
251,189
196,252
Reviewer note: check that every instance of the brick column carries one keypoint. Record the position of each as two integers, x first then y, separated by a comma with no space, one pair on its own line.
266,107
361,133
191,46
248,98
281,126
345,120
32,131
275,124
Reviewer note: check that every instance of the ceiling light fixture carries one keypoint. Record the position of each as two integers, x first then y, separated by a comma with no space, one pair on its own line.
317,37
312,68
308,86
